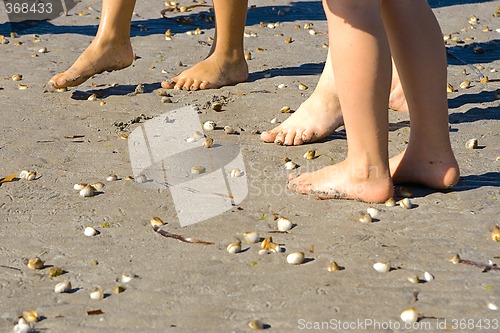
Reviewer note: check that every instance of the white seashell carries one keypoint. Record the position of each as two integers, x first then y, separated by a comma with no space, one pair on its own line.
310,154
111,178
281,86
126,278
263,252
409,316
256,324
87,191
234,247
209,125
229,130
471,144
414,279
208,142
98,186
366,218
374,212
333,267
97,294
89,231
43,50
79,186
290,165
382,267
141,179
428,276
23,174
22,326
492,306
390,202
274,121
283,224
295,258
251,237
236,173
197,169
63,287
31,176
406,203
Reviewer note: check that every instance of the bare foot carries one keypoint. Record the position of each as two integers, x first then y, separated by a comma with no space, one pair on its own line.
435,170
343,181
397,99
212,73
100,56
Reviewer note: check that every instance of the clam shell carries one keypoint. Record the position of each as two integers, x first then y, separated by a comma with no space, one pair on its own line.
495,234
156,221
234,247
366,218
98,186
409,316
251,237
63,287
373,212
256,324
333,267
382,267
209,125
197,169
428,276
89,231
295,258
97,294
471,144
283,224
87,191
36,263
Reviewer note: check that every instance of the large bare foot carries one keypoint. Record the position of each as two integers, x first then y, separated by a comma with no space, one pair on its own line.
344,181
437,170
100,56
212,73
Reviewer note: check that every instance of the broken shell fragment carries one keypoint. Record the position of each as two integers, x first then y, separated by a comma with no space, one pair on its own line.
290,165
248,56
63,287
31,316
216,106
208,142
283,224
382,267
209,125
295,258
235,173
409,316
373,212
333,267
366,218
495,234
89,231
98,186
87,191
97,294
406,203
256,324
118,289
266,242
428,277
234,247
198,169
111,178
36,263
471,144
251,237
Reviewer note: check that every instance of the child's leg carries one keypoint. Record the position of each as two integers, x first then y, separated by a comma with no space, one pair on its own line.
320,115
110,49
361,62
428,158
225,65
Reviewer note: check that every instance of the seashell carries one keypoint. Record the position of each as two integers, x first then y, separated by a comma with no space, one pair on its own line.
22,87
274,121
312,32
98,186
333,267
97,294
295,258
281,86
455,259
495,234
248,56
310,154
31,316
208,142
16,77
166,100
414,279
288,40
23,174
390,202
126,278
209,125
236,173
251,237
286,109
308,26
156,221
464,84
63,287
290,165
263,252
198,169
366,218
303,86
111,178
43,50
373,212
256,324
409,316
92,97
449,88
79,186
492,306
22,326
473,19
216,106
36,263
283,224
119,289
31,176
382,266
471,144
406,203
55,272
266,242
484,79
89,231
428,276
141,179
234,247
229,130
87,191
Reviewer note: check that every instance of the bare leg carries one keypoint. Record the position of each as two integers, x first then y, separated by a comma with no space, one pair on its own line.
428,158
110,50
363,95
320,115
225,65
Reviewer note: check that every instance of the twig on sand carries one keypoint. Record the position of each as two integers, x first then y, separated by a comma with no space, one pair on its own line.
180,237
485,267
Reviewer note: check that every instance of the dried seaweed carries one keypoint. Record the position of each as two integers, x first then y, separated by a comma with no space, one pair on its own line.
485,267
180,237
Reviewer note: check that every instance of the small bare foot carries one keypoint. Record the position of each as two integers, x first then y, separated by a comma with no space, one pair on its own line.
397,99
436,170
212,73
343,181
100,56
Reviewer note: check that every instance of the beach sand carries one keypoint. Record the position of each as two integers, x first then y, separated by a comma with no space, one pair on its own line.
183,287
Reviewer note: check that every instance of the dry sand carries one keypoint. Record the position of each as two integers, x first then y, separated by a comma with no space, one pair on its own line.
201,288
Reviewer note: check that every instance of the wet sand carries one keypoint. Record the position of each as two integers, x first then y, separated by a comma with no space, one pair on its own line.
183,287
